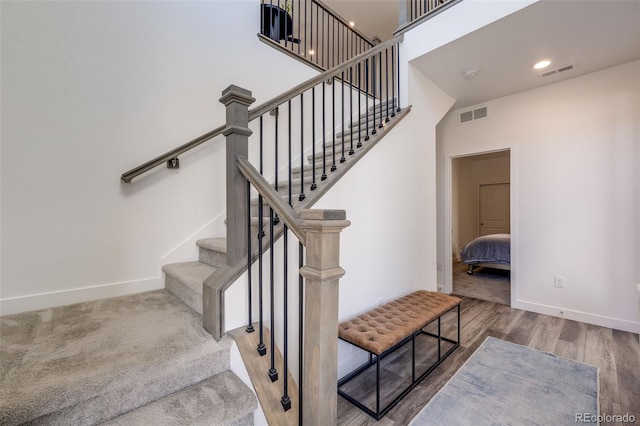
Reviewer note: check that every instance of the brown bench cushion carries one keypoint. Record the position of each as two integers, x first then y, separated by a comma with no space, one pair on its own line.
382,328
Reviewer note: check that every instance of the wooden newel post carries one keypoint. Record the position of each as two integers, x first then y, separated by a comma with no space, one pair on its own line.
321,272
237,132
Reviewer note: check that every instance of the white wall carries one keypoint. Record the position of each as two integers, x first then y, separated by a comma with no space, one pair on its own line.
575,187
92,89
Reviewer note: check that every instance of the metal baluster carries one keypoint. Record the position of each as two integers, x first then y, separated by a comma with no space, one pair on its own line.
342,159
273,373
277,114
373,81
398,109
293,13
289,151
262,349
302,196
386,77
380,93
393,79
333,109
286,26
366,99
285,400
301,330
324,133
249,328
359,145
313,138
351,150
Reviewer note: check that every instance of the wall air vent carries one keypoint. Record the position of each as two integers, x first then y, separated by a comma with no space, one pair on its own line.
474,114
557,70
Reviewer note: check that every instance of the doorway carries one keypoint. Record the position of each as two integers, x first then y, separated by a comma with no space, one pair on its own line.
480,206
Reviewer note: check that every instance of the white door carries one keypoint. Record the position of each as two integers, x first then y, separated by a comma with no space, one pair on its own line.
494,209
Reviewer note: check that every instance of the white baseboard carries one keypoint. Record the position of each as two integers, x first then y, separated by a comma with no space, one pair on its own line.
32,302
600,320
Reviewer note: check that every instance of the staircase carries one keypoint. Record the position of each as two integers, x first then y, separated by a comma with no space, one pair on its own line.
145,358
185,280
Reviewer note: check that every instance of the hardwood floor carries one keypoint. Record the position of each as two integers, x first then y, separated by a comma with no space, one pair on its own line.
616,353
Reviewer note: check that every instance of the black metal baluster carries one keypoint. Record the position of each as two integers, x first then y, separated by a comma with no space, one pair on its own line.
301,331
366,99
393,79
398,109
249,328
285,400
313,138
333,109
386,77
286,27
277,115
351,150
273,373
359,145
342,159
293,13
380,93
289,150
374,85
302,196
324,133
262,350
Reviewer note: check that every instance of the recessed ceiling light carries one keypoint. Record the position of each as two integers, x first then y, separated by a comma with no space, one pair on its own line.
542,64
312,52
353,24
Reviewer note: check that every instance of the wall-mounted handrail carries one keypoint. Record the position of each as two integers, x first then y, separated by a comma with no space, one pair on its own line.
128,176
162,159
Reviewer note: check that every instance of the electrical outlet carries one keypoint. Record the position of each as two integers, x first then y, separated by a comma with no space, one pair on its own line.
558,281
380,301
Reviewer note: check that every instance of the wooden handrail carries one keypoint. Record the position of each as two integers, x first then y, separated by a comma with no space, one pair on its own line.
286,213
302,87
127,177
162,159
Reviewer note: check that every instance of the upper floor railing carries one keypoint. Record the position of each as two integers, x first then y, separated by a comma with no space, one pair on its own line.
414,12
310,30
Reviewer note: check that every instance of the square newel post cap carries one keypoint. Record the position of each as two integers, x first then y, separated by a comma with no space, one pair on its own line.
235,94
323,220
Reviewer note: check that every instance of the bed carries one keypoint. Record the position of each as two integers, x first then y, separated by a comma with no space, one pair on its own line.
490,251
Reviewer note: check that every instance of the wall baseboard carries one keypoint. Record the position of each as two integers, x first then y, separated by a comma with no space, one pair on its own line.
602,321
32,302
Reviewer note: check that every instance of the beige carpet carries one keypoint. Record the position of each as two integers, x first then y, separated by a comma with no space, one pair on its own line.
493,285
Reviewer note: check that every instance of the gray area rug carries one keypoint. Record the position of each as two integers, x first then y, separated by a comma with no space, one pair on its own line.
507,384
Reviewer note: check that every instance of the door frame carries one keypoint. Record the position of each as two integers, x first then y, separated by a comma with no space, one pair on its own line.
447,286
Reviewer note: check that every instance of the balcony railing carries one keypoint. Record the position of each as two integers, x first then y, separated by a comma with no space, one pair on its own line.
310,30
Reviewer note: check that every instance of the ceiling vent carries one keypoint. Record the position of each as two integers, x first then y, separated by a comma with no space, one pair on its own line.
474,114
557,70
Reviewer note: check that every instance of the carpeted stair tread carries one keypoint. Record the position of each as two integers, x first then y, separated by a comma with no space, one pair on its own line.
185,281
220,400
217,244
89,362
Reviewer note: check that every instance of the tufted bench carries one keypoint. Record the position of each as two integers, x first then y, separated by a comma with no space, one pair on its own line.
387,328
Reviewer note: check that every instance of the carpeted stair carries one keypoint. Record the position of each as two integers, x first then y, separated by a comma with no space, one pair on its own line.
132,360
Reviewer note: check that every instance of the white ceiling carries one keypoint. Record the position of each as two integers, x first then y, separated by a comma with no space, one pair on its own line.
589,34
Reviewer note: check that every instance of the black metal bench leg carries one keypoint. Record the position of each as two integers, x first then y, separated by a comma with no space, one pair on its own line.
377,388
